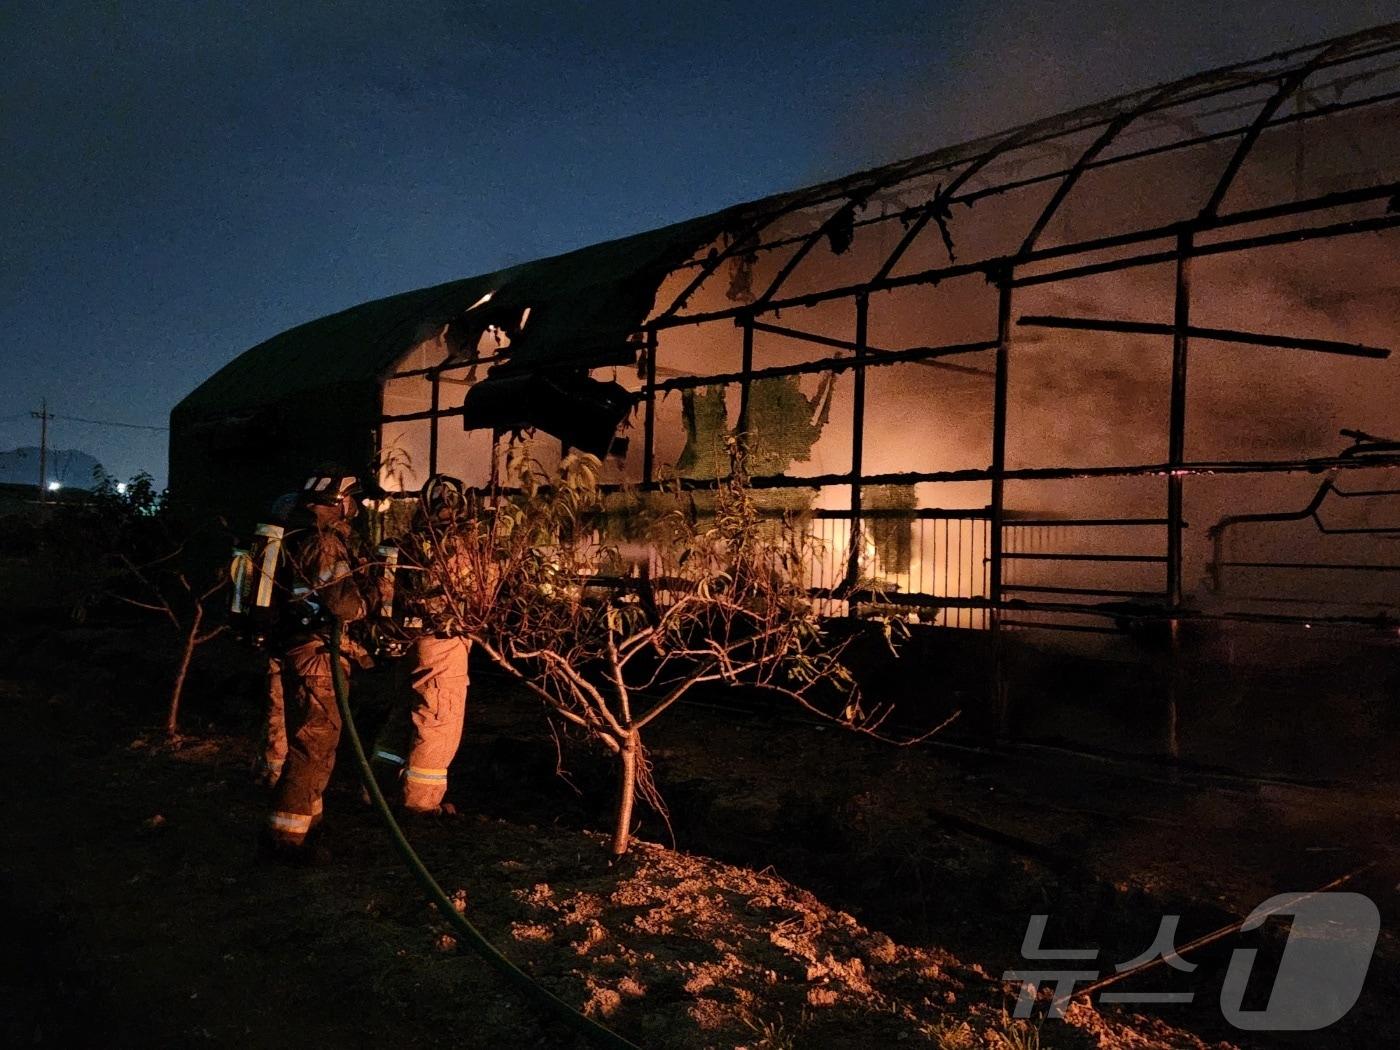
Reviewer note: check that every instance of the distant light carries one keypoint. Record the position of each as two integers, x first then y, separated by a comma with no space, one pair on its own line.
121,488
54,486
482,301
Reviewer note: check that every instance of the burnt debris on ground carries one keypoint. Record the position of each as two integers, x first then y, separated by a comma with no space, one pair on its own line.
841,907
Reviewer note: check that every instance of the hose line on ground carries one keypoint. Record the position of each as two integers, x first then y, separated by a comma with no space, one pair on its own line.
585,1026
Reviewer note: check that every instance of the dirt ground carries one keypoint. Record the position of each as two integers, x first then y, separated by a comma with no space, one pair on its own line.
828,891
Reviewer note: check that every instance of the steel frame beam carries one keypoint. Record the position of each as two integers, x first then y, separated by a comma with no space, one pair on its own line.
1172,96
1220,335
1193,238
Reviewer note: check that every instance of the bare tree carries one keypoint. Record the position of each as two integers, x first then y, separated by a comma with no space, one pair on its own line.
165,588
610,647
138,552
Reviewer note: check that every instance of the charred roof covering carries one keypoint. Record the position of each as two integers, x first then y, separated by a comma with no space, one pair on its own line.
582,412
584,305
355,345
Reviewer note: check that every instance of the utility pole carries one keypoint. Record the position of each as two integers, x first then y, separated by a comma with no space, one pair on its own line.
43,416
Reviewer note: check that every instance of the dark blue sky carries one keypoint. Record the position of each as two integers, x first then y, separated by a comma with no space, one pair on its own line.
182,180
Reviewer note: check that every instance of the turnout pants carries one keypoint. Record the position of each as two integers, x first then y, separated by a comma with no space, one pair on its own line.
274,741
419,741
313,733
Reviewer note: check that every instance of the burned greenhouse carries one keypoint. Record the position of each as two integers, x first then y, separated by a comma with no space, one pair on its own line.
1129,363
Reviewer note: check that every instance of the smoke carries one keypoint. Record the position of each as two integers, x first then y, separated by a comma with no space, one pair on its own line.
994,65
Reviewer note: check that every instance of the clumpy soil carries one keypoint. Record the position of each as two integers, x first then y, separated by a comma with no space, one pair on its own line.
681,951
826,914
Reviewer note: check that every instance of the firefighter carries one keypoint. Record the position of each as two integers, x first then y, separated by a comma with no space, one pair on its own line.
324,579
272,752
420,738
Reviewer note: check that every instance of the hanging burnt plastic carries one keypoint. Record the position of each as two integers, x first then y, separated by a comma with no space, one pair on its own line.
580,411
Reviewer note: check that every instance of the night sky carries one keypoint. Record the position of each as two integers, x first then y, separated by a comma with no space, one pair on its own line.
182,180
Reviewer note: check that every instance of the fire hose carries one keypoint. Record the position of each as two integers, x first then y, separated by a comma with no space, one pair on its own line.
585,1026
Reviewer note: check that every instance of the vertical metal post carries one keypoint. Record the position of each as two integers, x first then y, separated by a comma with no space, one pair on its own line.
649,409
1176,456
1170,721
495,481
745,368
857,441
1176,441
995,562
433,426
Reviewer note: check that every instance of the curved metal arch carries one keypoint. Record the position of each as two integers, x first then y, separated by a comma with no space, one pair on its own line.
855,197
915,169
852,203
1162,98
1028,134
1287,86
713,263
856,187
1113,129
810,198
939,203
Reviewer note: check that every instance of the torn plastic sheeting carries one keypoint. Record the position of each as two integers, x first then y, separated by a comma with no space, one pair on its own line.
784,426
586,305
893,536
784,423
583,413
706,419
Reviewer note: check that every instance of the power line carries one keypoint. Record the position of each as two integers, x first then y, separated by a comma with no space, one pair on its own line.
108,423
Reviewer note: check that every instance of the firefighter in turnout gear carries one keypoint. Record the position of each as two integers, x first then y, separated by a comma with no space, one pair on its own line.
414,750
272,749
272,756
323,578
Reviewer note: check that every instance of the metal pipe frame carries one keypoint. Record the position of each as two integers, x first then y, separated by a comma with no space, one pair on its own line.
1220,335
1176,437
852,575
1114,116
986,268
906,215
1347,62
